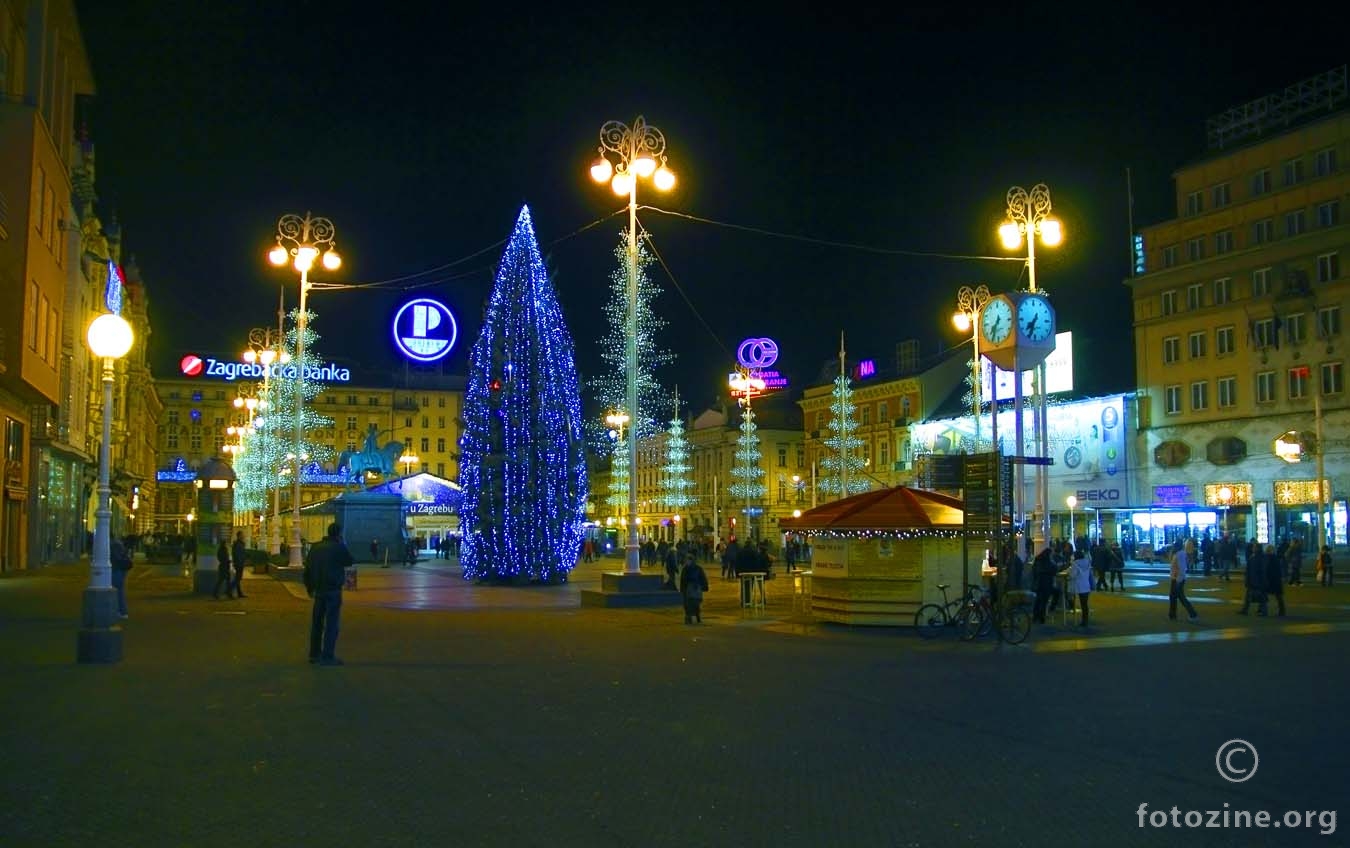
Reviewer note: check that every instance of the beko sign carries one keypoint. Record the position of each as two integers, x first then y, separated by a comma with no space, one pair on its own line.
193,365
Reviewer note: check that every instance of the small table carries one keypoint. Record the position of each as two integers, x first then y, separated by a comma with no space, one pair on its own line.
801,589
752,590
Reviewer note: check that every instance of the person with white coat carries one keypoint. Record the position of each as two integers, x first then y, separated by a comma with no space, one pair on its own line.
1080,582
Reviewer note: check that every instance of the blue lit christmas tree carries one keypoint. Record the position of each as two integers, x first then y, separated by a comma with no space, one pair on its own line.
522,464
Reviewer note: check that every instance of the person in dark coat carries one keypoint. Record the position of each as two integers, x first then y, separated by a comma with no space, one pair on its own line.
672,566
237,560
222,569
1254,582
325,575
120,560
1043,573
1274,579
693,583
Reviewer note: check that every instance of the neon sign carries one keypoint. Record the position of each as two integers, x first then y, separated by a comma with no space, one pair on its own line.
193,365
757,353
755,356
425,329
866,368
179,473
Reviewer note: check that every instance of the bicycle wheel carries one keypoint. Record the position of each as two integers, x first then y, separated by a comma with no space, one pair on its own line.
970,621
1016,625
929,621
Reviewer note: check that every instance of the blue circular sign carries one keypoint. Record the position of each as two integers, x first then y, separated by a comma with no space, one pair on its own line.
425,329
757,353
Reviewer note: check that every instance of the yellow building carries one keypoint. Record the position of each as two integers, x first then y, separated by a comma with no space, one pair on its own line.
1238,305
43,69
422,414
883,410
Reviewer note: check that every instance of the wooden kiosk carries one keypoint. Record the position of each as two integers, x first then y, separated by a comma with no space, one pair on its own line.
877,557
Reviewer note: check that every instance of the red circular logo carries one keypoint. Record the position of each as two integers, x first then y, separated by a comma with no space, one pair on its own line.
191,365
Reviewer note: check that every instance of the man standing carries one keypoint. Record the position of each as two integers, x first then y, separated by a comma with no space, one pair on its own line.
237,560
325,573
1180,562
222,569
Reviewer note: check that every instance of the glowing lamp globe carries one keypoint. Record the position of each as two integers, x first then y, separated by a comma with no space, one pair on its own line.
664,179
622,184
278,256
110,336
1051,234
1072,501
304,257
250,357
1011,235
961,321
332,261
268,356
644,166
602,170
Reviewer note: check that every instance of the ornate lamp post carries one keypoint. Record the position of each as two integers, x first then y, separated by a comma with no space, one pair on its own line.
301,241
1028,218
110,337
969,302
640,151
1071,502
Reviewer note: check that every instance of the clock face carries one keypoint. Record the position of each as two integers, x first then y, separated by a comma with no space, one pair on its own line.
1035,318
996,320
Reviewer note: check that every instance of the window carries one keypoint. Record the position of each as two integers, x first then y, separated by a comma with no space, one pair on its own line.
1173,400
904,408
1223,340
195,441
1200,396
426,444
440,469
1263,332
1169,302
1223,290
1328,214
407,422
1263,231
866,412
351,400
782,456
801,457
220,394
173,418
1171,349
884,412
1324,162
1296,328
171,441
1261,182
1296,222
1195,203
219,421
1328,267
1223,241
1195,296
371,400
440,401
782,490
426,401
1196,343
425,425
1298,382
30,322
1170,256
440,445
884,454
1293,172
1195,249
219,441
1260,282
1227,392
1328,322
1333,378
351,421
1222,196
331,400
1265,387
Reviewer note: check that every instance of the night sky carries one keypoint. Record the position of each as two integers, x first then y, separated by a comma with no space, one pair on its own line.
421,133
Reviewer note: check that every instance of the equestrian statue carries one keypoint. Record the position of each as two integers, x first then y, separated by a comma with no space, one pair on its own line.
370,457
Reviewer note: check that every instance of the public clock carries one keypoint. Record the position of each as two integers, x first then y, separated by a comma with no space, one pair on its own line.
1035,318
996,320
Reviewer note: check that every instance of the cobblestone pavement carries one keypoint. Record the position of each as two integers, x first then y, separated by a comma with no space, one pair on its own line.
522,719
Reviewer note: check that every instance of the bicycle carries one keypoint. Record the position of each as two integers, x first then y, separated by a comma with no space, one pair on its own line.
932,618
1010,618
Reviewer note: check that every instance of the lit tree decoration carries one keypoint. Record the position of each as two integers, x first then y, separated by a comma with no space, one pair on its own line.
611,387
747,473
279,415
842,463
618,479
676,484
522,466
252,480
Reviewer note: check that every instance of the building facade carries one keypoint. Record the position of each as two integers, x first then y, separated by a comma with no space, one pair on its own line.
1240,343
43,70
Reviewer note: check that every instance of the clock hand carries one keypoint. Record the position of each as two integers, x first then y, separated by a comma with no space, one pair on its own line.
1031,325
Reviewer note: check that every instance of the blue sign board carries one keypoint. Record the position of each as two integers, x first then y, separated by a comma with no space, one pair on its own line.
178,473
425,330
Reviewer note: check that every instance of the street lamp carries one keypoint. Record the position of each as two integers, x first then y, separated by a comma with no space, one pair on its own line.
1029,217
409,459
302,240
969,302
618,420
1072,501
1225,494
641,153
99,641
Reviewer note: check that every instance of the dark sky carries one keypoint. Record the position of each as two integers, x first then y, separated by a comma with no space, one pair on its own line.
421,132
